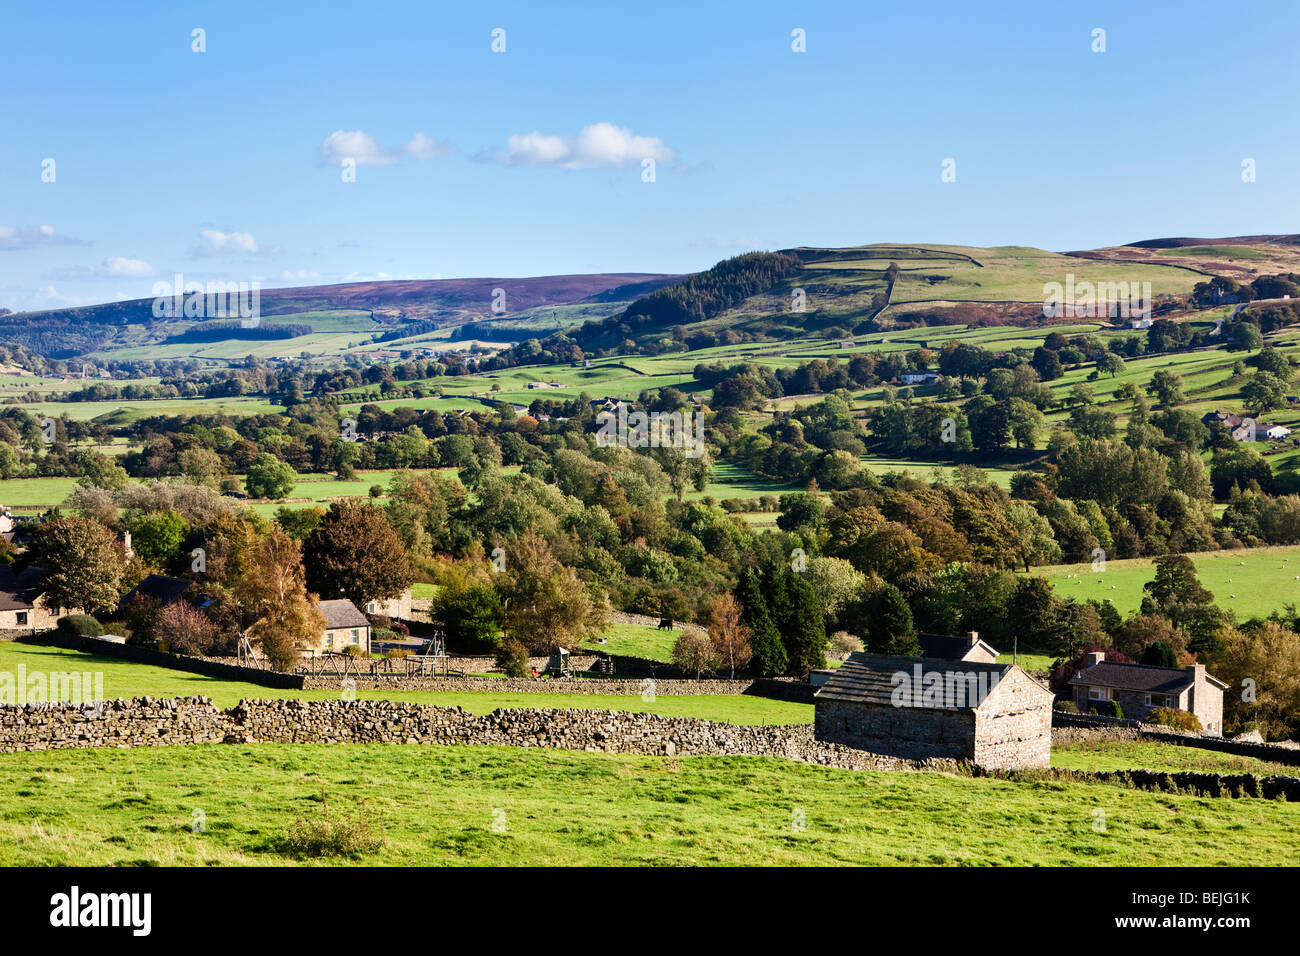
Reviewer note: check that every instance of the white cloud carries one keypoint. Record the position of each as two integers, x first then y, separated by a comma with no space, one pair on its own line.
426,148
28,299
598,146
114,267
131,268
14,237
214,242
361,148
300,275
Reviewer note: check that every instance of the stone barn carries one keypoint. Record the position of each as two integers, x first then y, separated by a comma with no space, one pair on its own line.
993,715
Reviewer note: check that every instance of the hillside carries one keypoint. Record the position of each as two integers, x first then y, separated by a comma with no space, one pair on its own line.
828,293
380,310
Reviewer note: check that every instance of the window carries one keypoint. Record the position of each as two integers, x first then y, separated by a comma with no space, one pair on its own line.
21,618
1098,693
1160,700
356,636
329,640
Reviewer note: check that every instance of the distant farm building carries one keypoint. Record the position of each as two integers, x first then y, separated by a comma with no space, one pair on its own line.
966,648
993,715
1277,432
398,607
919,378
344,626
22,601
1141,688
1240,427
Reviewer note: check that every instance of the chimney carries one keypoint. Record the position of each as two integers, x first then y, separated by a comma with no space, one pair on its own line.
126,544
972,638
1096,657
1195,671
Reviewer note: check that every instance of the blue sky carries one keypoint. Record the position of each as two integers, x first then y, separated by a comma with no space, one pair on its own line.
225,164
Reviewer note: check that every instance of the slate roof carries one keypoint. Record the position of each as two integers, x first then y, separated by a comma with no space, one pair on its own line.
869,678
947,648
342,613
161,588
19,592
1137,677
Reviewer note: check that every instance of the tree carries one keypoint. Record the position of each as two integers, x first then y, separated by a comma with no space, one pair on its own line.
273,594
269,477
546,605
83,564
158,537
1167,387
1025,420
1033,540
470,615
186,629
1265,391
1110,363
1264,660
1175,591
356,554
1245,336
1159,654
769,656
892,629
730,637
695,652
803,626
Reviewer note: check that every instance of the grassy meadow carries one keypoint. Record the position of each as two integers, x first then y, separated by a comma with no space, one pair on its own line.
507,806
1253,582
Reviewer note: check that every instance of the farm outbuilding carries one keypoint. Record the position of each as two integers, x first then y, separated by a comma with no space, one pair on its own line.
993,715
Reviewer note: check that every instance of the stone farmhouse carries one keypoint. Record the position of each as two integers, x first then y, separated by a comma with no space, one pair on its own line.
344,626
993,715
1141,688
22,601
398,607
967,648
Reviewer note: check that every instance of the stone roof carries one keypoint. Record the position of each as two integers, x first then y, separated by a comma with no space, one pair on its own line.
342,613
161,588
19,592
945,647
871,679
1137,677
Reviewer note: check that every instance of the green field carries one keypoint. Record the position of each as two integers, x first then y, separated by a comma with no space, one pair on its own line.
504,806
1128,755
1253,582
1034,663
123,679
638,640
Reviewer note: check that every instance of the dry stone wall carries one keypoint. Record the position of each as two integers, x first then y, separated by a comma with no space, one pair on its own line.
528,685
154,722
1274,753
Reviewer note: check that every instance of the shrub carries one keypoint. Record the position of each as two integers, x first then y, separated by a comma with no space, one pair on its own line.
398,652
845,643
354,650
186,629
1175,718
382,634
81,624
333,837
1066,707
512,657
1116,709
